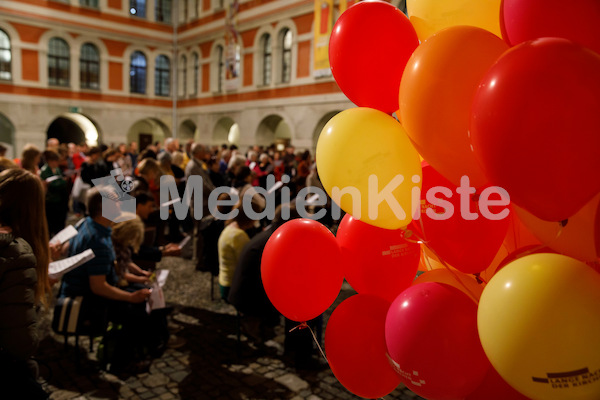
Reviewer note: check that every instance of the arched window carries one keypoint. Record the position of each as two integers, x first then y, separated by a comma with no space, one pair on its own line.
137,73
220,70
196,72
163,11
286,55
183,75
5,57
185,11
162,76
89,67
267,57
137,8
58,62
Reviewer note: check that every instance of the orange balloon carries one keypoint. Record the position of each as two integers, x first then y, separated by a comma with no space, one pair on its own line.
518,240
579,238
463,282
429,261
436,92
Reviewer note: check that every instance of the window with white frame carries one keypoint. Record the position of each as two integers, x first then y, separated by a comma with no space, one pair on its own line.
5,57
162,76
163,11
286,38
137,73
267,58
196,62
89,3
219,69
89,67
183,75
59,60
137,8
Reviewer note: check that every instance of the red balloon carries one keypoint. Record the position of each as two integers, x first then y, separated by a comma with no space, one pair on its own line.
369,47
577,20
431,333
534,126
355,346
494,387
301,269
376,261
468,245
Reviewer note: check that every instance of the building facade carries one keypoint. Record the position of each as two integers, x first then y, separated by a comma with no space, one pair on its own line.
112,71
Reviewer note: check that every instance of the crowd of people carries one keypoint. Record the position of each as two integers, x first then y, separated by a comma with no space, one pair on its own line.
41,189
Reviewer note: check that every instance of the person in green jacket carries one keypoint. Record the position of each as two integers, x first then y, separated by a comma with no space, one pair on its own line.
24,258
57,192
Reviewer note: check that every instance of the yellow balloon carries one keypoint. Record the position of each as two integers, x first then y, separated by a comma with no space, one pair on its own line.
430,16
539,324
368,166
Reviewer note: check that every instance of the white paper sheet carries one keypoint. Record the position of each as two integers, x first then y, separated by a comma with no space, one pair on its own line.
58,268
65,235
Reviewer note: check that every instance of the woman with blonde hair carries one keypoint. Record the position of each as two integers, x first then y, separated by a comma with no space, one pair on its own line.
127,237
24,258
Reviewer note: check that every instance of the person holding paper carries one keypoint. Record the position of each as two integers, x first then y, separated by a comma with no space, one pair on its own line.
23,280
96,282
127,238
57,193
149,253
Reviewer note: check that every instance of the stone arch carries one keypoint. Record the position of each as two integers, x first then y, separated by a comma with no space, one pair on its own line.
320,125
148,131
187,130
74,128
222,132
273,129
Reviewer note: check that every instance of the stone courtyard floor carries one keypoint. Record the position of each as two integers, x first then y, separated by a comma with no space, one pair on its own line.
212,364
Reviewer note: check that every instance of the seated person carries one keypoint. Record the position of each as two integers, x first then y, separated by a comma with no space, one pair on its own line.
96,282
149,253
127,238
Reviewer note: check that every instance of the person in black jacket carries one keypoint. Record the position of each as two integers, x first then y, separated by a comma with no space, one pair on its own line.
24,258
95,167
247,293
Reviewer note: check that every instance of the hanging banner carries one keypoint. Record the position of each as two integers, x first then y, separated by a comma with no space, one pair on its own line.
345,4
323,24
232,47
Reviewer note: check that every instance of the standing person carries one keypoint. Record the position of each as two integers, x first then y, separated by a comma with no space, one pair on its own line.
57,192
125,162
247,293
30,158
196,166
231,243
24,255
95,167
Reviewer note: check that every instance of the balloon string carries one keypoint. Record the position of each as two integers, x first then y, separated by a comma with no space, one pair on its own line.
561,226
424,242
304,325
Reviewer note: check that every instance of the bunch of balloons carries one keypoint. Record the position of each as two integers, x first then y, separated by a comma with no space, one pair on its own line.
473,156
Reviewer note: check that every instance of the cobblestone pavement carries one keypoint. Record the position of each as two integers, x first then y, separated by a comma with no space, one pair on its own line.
212,364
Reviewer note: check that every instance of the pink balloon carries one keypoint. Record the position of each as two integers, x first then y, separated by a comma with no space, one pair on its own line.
431,333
